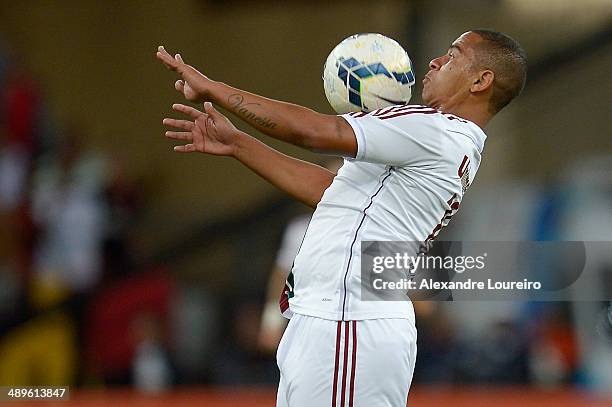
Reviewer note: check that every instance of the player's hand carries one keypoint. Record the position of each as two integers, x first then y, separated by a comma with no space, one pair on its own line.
210,132
194,84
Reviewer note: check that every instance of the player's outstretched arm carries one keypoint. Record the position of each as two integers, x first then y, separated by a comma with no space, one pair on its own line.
284,121
212,133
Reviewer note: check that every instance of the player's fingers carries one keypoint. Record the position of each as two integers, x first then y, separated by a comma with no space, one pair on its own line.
180,135
168,64
210,126
179,58
188,110
179,124
187,148
179,85
210,109
166,58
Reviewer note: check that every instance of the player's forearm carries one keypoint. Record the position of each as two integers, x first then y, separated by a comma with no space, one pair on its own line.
302,180
288,122
284,121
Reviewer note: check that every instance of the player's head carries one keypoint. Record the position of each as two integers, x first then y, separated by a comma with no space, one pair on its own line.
481,66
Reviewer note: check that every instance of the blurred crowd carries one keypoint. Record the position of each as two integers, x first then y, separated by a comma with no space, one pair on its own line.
78,307
74,306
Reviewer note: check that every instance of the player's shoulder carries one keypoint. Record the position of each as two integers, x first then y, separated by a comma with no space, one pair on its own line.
411,115
414,115
417,112
416,118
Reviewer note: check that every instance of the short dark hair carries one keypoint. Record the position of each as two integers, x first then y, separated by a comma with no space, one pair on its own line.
508,61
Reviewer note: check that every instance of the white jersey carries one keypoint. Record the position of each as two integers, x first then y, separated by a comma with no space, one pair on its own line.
412,167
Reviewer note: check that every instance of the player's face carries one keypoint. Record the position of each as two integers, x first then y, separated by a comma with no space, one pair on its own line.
449,78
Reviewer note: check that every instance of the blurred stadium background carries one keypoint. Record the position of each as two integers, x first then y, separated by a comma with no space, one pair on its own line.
137,276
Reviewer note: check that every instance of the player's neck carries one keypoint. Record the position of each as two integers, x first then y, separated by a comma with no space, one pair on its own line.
477,113
478,117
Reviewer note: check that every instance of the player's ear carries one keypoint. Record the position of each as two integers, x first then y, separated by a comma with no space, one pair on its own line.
483,81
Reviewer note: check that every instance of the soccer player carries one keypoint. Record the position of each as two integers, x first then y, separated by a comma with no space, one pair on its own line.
272,322
406,170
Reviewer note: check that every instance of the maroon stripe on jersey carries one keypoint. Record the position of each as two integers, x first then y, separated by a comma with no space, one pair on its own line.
335,391
414,107
346,344
463,166
403,113
397,109
283,301
384,110
453,117
353,363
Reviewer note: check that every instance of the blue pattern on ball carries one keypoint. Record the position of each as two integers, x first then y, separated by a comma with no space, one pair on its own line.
355,71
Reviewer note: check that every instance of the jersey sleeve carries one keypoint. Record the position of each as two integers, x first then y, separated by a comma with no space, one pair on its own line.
400,136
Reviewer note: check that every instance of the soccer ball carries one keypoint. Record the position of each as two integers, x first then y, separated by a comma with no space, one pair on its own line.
366,72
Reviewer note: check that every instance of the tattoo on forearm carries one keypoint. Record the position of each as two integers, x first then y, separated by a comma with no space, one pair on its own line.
236,101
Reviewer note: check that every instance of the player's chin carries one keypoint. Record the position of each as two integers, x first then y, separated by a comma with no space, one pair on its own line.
426,96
